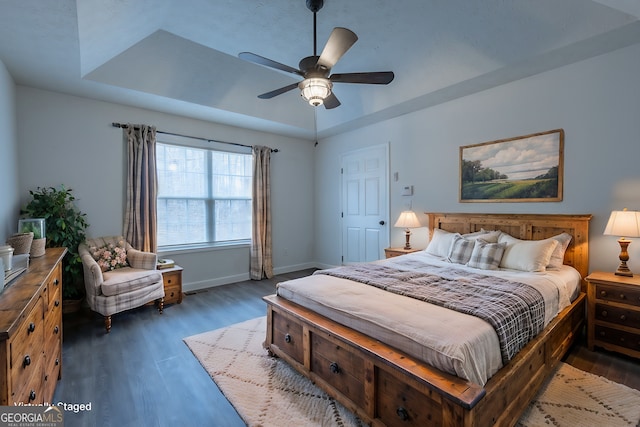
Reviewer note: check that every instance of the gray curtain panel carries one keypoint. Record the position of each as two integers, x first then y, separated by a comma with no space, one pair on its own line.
261,252
140,220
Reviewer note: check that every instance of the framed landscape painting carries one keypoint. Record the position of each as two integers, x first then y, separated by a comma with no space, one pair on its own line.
522,169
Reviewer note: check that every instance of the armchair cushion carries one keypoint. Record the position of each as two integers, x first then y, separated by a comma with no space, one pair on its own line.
128,279
110,256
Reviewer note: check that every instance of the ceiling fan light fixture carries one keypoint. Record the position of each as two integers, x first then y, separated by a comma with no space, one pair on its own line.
315,90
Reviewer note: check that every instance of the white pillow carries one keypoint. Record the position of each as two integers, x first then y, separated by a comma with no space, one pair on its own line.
487,236
557,257
440,243
526,255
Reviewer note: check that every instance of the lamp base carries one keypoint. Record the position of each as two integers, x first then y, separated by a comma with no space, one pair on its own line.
623,270
407,234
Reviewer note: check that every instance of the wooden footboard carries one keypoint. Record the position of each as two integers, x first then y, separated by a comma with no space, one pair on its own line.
386,387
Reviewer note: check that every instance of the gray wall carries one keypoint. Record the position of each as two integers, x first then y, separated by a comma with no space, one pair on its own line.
596,102
69,140
9,198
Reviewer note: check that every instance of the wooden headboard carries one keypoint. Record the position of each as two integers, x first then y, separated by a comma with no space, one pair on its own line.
525,227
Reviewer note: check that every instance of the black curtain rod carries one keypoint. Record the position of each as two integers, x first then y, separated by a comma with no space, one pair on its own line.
124,126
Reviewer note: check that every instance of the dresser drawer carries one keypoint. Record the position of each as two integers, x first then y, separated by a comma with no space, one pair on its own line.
29,390
400,404
339,367
622,294
53,325
53,362
287,335
617,337
617,315
172,293
28,337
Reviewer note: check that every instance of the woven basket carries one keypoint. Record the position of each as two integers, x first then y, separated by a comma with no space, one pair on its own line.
21,243
38,247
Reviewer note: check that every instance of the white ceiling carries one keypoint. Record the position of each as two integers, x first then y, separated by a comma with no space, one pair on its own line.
180,56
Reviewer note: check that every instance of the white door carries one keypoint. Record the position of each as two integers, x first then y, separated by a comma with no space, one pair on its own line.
365,207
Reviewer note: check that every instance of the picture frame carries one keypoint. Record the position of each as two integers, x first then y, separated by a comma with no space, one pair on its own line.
526,168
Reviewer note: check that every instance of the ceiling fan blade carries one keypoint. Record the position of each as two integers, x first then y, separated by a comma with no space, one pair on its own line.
331,102
373,78
340,41
261,60
269,95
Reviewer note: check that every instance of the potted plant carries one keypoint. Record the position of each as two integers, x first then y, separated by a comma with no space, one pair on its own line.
65,225
37,227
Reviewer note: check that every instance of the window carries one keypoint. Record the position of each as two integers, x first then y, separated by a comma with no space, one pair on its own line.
204,196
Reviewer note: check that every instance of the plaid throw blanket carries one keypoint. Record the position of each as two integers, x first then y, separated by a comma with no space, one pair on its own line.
515,310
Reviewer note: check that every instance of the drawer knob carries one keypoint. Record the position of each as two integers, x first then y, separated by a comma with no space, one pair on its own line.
32,395
602,333
56,329
56,302
56,282
57,361
287,338
623,317
26,362
622,296
31,327
402,414
604,313
334,368
603,293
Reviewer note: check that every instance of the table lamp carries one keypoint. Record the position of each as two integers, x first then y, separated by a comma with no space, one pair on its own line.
623,223
408,220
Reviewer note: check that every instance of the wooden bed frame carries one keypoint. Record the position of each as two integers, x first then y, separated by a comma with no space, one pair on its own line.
385,387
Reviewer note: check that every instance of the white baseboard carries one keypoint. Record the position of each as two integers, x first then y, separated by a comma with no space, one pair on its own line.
219,281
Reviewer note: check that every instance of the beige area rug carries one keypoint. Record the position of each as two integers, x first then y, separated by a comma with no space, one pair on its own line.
267,392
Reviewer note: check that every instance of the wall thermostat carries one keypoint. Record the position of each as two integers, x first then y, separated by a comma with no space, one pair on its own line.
407,190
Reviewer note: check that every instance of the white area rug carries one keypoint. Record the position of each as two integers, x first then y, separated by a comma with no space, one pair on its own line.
267,392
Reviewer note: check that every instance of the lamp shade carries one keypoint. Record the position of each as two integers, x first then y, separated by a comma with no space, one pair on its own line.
408,219
624,224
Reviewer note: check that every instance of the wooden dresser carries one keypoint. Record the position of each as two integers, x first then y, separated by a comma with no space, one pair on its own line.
614,313
31,332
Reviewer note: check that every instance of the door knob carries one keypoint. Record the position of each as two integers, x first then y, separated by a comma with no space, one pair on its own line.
381,223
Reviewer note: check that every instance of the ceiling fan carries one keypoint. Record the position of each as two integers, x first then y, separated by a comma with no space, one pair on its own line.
317,85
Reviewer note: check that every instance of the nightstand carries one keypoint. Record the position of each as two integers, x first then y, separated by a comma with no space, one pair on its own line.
172,278
391,252
613,318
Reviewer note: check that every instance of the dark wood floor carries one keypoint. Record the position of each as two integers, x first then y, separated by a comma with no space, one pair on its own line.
142,374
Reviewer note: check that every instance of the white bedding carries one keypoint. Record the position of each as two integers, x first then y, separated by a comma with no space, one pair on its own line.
454,342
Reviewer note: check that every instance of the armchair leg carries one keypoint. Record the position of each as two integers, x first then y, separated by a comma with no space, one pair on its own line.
160,304
107,323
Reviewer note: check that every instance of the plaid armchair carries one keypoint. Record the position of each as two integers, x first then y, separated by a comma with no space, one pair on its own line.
118,277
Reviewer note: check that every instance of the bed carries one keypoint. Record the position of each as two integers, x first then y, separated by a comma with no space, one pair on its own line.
385,383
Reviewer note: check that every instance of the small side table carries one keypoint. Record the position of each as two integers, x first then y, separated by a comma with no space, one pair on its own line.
391,252
172,278
613,316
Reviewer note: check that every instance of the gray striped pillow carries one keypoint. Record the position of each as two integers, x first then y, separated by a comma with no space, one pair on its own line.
460,250
486,256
